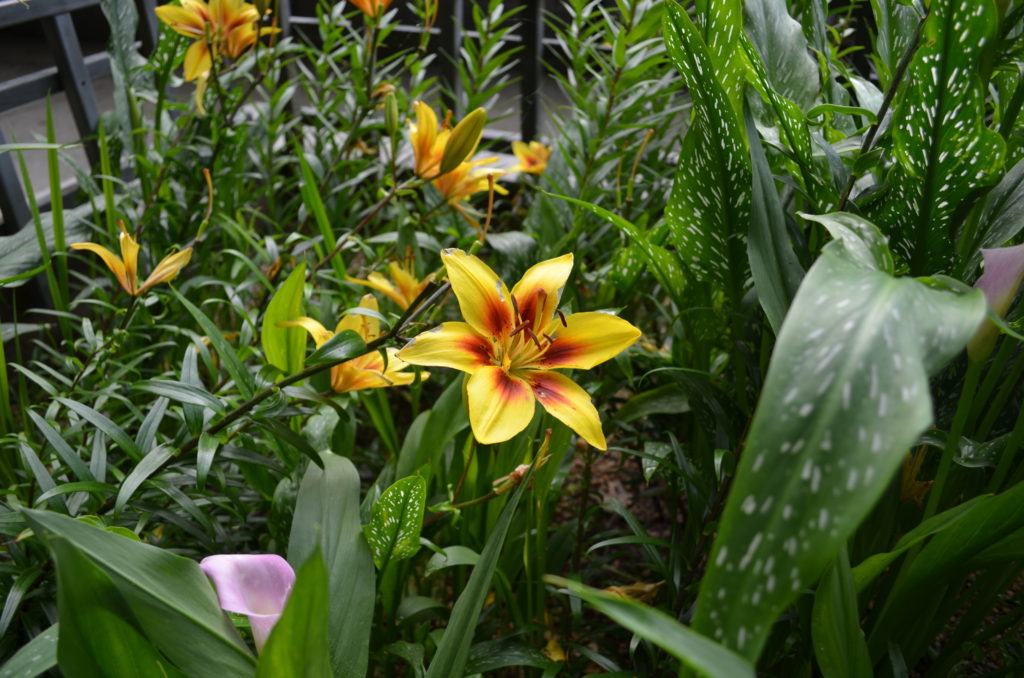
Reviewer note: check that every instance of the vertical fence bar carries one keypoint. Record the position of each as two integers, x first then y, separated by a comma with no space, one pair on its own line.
532,62
450,25
60,33
148,30
12,198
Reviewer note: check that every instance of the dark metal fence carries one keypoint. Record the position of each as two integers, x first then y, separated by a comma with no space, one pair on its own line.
74,73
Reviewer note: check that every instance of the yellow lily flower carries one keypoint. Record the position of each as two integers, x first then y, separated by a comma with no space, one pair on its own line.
371,8
510,343
125,268
366,371
219,28
428,141
404,286
533,157
467,179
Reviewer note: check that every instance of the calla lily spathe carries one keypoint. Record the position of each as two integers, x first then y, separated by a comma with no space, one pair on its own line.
402,288
1003,275
366,371
511,343
125,268
256,585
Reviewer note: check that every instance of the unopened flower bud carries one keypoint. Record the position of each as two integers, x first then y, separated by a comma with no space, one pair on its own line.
463,140
391,114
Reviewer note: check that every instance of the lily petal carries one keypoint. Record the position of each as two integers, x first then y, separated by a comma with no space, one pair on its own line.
182,20
112,261
454,344
366,326
197,60
167,269
539,291
256,585
566,401
587,340
483,297
500,405
319,333
378,282
130,256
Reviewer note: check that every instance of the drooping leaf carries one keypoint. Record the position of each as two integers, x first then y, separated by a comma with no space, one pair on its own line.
344,345
298,647
163,591
709,208
780,42
327,518
942,147
1003,214
394,529
285,347
689,647
839,644
845,395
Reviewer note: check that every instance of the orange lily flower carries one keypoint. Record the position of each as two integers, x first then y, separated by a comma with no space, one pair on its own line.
366,371
428,141
371,8
510,344
404,286
125,268
533,157
219,27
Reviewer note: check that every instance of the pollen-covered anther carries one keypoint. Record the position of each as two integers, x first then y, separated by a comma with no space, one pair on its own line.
561,316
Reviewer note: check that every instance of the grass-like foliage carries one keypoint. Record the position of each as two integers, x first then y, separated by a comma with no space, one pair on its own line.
272,402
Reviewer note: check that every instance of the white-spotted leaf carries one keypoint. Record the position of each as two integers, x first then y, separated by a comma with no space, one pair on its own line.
394,529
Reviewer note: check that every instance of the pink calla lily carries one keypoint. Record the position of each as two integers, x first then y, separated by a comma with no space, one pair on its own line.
256,585
1004,272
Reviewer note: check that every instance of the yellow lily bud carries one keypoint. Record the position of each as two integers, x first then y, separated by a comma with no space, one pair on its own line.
463,140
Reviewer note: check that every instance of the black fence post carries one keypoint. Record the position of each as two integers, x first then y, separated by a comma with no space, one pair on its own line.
12,197
148,29
450,25
60,33
532,69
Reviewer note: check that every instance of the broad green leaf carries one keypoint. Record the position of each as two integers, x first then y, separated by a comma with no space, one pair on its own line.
780,42
491,655
664,399
35,657
839,644
453,650
344,345
394,529
1003,215
427,441
862,243
297,647
943,562
689,647
164,591
722,25
709,209
451,556
327,518
285,347
895,23
845,396
97,636
942,147
243,378
773,264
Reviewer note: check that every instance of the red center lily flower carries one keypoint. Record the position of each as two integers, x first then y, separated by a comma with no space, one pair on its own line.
511,343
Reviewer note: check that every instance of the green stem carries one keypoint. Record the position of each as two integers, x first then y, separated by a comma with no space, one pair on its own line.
963,408
1009,452
1010,384
981,399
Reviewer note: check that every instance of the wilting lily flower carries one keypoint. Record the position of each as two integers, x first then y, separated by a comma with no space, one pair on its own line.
219,28
125,267
404,286
533,157
1004,272
428,141
511,343
366,371
256,585
371,8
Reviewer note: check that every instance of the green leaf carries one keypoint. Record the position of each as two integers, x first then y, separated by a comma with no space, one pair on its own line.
845,395
327,518
97,637
689,647
665,399
100,421
297,647
839,644
181,392
309,186
941,563
1003,215
149,465
344,345
164,591
709,209
780,42
451,556
943,149
61,447
35,657
243,378
453,650
861,241
285,347
773,264
394,529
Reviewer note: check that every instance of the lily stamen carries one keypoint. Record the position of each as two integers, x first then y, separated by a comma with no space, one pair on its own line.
561,316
